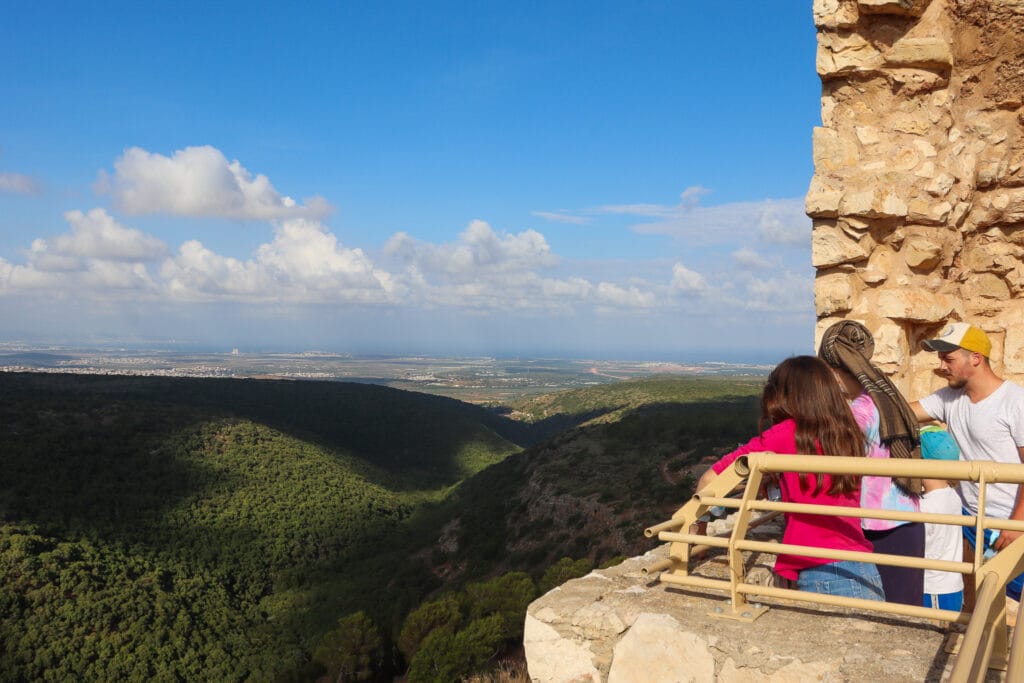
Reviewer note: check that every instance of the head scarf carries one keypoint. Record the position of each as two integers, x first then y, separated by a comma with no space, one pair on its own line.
848,345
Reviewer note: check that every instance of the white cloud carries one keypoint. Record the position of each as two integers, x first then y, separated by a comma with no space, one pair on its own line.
303,264
487,271
686,280
97,235
786,292
97,257
624,297
748,258
480,252
774,221
18,183
198,181
560,217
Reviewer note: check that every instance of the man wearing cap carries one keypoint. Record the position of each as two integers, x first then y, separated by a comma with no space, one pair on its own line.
985,414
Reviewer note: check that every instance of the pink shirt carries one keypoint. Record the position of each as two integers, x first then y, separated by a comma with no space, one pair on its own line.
878,492
837,533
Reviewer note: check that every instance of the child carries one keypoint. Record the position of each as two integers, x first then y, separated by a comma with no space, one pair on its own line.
803,411
942,590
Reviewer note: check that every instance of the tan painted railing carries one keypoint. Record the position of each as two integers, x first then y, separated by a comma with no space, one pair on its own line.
984,643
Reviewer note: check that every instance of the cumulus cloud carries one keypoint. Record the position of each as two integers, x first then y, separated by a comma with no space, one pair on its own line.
96,235
304,263
17,183
686,280
479,252
487,271
97,255
198,181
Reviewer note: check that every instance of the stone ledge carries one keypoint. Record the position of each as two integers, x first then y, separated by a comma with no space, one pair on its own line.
618,625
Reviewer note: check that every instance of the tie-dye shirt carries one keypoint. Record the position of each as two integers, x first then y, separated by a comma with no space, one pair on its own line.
879,493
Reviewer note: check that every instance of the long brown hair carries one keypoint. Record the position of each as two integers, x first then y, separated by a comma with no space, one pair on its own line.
802,388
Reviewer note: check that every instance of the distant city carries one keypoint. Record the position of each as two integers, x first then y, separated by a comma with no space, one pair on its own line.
473,379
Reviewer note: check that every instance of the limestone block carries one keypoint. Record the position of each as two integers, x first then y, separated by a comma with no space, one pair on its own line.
960,212
657,649
835,13
927,211
921,253
912,8
912,124
832,152
890,349
940,185
992,171
1013,346
881,202
822,200
833,293
916,305
830,247
1000,206
925,148
920,52
925,170
882,263
902,158
550,657
868,135
845,53
986,286
992,256
892,205
917,81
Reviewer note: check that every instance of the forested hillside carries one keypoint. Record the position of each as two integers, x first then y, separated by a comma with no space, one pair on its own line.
589,491
185,529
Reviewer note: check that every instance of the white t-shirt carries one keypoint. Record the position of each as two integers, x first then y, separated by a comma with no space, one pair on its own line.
990,430
942,541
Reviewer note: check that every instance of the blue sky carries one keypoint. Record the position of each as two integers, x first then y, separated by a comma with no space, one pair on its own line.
589,179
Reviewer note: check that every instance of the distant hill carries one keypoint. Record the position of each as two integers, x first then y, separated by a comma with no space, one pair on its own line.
215,529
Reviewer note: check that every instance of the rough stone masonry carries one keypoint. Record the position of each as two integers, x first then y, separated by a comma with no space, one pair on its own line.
918,191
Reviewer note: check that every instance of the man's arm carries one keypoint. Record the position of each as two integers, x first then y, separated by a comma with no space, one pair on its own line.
1006,537
920,413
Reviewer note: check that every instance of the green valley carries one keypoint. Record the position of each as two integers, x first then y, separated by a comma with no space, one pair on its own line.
223,529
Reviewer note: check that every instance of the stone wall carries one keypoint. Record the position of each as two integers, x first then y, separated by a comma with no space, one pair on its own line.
918,192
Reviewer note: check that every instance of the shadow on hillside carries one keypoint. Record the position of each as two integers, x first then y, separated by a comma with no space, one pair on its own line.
410,441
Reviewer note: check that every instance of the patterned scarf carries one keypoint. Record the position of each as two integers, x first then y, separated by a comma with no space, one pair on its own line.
848,345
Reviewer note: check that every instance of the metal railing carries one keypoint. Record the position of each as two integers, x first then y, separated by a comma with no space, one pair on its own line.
984,643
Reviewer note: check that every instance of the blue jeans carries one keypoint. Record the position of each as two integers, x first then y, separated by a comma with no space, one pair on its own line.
849,579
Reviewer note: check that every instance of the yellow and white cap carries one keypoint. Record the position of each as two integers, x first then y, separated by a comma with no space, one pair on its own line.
962,336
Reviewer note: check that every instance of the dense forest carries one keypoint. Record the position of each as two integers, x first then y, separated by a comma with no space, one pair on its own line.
190,529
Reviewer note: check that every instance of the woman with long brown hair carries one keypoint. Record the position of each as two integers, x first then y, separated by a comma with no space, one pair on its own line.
803,411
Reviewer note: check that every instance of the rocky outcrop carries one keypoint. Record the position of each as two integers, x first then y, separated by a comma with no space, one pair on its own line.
918,192
619,626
